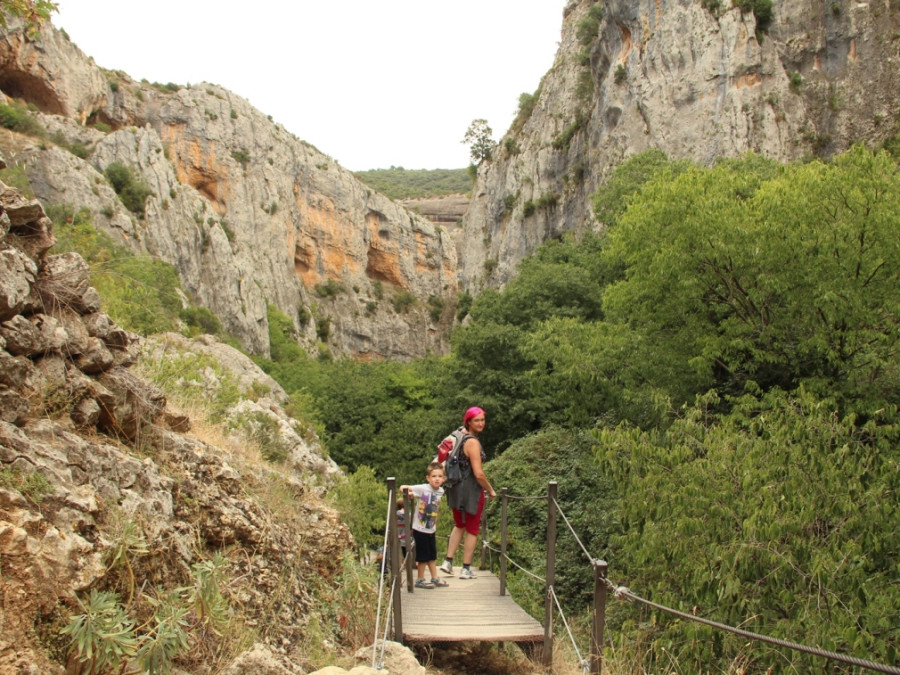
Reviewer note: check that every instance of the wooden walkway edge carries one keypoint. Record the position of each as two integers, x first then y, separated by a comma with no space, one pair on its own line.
466,610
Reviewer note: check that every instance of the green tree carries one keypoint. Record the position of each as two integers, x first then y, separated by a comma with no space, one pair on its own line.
778,517
478,138
34,12
772,280
362,501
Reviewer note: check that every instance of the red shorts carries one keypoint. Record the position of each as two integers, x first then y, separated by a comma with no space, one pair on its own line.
468,522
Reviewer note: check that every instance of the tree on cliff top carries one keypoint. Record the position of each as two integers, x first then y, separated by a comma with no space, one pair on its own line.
35,12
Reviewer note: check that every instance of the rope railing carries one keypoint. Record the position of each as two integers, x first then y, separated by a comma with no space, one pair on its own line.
602,585
585,664
623,592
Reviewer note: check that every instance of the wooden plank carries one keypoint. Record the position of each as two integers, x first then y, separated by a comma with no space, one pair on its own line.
466,610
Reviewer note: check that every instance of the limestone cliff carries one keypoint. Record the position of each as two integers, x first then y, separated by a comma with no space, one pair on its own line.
248,214
699,80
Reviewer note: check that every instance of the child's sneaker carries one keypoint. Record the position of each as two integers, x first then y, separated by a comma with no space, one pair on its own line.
467,573
422,583
437,583
446,567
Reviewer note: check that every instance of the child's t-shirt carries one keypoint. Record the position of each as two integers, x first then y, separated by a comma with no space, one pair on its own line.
426,507
401,526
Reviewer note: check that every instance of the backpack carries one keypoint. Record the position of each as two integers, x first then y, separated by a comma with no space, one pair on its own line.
448,453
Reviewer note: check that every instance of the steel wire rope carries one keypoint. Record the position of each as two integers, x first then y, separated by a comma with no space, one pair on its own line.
624,592
572,530
531,574
390,607
585,665
387,530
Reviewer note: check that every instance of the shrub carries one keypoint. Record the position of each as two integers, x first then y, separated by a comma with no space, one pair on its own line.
131,189
329,289
242,157
463,305
528,208
621,74
16,118
403,301
323,328
563,141
435,307
589,26
546,201
200,320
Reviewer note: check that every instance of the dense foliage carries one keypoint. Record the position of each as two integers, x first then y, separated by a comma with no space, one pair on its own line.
729,345
400,183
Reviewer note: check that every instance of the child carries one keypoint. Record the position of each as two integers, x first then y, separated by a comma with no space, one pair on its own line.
401,526
424,523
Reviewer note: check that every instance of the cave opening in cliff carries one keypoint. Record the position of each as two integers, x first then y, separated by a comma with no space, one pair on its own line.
18,85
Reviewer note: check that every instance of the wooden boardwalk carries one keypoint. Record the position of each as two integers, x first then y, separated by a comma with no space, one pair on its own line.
466,610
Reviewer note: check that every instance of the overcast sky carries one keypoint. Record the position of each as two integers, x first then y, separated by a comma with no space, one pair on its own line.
371,83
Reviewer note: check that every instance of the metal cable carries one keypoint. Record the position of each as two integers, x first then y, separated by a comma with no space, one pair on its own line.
623,592
387,529
531,574
390,608
585,665
572,530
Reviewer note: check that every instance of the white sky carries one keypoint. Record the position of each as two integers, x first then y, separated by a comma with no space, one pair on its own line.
372,84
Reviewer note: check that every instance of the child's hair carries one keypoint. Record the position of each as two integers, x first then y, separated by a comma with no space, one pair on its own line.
401,504
434,466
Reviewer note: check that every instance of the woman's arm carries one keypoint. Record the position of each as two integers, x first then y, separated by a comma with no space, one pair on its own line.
472,448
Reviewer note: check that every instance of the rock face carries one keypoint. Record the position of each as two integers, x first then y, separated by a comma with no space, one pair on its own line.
698,80
248,214
93,461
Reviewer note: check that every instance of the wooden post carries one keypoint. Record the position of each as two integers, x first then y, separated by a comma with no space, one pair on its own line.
505,498
600,567
394,545
551,578
410,541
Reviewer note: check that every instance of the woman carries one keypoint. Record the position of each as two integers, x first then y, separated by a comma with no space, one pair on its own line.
466,499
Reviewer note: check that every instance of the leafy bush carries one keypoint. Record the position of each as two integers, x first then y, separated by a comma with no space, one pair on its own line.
773,508
562,141
403,301
435,307
587,29
241,156
329,289
361,501
17,118
283,345
201,321
131,189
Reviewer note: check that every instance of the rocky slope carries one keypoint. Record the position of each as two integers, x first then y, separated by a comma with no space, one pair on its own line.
699,80
103,485
248,214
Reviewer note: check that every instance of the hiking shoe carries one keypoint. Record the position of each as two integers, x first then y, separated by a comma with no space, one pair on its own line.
467,573
422,583
437,583
446,567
